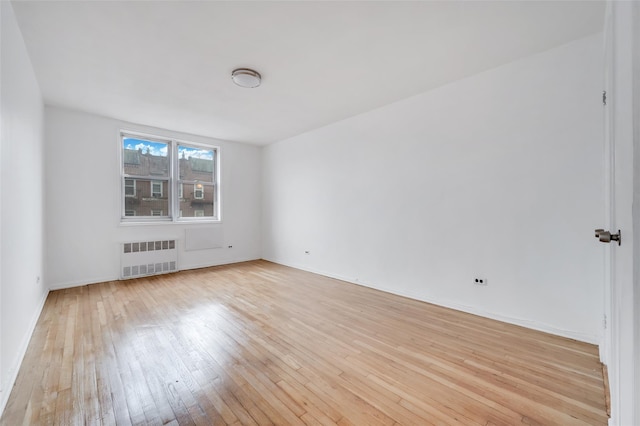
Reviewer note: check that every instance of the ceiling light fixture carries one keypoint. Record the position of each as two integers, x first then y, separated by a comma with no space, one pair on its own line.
245,77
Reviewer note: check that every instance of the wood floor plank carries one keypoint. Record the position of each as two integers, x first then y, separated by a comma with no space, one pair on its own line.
258,343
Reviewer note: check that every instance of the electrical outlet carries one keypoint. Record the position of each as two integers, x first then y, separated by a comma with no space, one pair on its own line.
480,281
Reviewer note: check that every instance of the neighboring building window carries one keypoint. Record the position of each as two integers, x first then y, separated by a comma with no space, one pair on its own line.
129,188
198,191
154,170
156,189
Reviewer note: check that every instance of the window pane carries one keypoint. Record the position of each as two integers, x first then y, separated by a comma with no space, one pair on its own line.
197,202
145,158
150,198
196,164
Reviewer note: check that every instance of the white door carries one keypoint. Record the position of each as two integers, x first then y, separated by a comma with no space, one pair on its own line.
620,346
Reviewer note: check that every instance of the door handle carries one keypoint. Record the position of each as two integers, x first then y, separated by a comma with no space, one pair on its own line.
607,237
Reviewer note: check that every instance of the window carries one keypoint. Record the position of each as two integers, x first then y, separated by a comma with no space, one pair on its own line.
156,189
198,191
154,170
197,168
129,188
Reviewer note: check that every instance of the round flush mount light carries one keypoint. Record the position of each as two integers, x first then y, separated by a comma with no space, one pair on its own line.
245,77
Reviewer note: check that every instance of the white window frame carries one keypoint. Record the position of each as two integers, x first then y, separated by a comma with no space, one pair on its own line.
173,182
214,184
180,192
159,213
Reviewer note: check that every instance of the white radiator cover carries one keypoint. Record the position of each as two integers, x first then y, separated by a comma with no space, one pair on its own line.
142,258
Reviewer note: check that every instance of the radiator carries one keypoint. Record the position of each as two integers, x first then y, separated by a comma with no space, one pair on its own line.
142,258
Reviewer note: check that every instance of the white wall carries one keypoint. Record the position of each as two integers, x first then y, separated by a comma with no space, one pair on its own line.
21,189
83,201
496,176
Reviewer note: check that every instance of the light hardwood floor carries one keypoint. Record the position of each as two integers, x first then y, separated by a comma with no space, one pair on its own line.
259,343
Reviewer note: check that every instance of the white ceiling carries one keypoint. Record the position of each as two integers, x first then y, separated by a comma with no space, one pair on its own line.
168,63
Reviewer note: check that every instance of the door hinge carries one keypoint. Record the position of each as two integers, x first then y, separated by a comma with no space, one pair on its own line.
604,97
604,322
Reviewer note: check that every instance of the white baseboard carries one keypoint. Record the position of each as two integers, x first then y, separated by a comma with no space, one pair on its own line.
71,284
226,262
534,325
7,386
